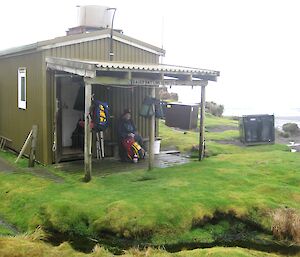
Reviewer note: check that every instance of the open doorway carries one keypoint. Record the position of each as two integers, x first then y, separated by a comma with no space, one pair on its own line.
70,131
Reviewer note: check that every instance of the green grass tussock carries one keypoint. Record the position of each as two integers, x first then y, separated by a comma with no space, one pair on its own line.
24,247
134,225
65,217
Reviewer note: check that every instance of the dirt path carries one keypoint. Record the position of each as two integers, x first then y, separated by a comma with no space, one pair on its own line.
10,227
5,166
42,172
45,173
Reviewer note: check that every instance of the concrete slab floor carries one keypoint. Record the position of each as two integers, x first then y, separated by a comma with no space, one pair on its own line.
112,165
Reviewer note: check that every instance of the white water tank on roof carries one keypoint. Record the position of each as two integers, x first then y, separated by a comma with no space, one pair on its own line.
94,16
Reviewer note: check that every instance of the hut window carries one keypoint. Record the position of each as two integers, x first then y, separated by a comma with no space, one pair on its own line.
22,88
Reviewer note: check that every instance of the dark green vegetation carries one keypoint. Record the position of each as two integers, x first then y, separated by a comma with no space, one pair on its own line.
214,109
227,199
291,128
165,95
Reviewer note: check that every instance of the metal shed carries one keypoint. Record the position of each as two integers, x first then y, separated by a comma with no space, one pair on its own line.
70,61
181,115
257,129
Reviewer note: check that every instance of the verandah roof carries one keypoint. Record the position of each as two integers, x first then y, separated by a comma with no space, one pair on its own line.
116,73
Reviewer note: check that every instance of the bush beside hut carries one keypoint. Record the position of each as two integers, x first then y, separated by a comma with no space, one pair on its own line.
291,128
214,109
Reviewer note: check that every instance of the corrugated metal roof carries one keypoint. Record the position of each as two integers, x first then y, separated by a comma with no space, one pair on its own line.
153,67
83,66
79,38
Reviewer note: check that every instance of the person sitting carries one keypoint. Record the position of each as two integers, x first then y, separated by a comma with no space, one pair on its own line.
127,130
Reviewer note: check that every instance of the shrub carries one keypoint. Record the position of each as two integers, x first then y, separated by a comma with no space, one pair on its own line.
165,95
214,109
291,128
284,134
286,224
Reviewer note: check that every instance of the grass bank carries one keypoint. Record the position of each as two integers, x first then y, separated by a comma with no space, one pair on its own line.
152,205
23,246
226,197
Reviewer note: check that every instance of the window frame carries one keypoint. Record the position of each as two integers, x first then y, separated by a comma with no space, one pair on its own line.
22,76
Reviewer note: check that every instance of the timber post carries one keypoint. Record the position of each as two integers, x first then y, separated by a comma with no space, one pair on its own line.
33,146
151,132
202,119
24,146
87,134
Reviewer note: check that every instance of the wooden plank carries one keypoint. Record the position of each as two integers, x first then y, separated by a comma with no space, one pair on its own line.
202,119
173,82
135,81
80,65
107,80
170,152
6,139
59,129
98,147
87,134
80,72
102,144
55,119
2,143
33,146
24,146
151,133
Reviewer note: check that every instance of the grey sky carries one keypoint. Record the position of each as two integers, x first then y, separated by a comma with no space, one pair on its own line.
255,44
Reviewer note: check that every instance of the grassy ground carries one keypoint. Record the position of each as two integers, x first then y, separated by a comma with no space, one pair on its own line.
213,121
159,201
185,141
200,202
11,158
24,246
6,231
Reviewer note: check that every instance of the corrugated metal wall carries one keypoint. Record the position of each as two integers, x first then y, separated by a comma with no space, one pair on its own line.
16,123
120,99
127,53
98,50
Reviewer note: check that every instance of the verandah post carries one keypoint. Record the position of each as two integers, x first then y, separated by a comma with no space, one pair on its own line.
202,120
87,134
151,132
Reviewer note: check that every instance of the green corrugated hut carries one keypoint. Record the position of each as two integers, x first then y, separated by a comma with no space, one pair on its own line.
39,84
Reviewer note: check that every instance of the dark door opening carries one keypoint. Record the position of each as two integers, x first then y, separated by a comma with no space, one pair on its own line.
70,135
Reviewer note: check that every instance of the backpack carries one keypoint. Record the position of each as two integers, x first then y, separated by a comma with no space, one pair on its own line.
147,110
100,115
78,136
133,150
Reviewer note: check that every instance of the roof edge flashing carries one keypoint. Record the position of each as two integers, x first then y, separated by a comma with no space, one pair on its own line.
18,49
86,37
